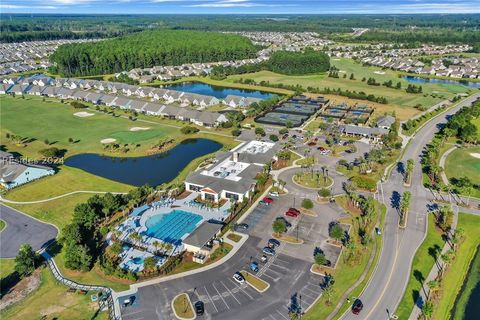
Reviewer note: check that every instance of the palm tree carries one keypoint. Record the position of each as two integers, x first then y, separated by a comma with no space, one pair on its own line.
135,237
409,170
328,293
427,310
156,244
433,286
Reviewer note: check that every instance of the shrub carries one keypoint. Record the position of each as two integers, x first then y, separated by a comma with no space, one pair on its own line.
52,152
260,132
274,137
307,203
236,132
189,130
324,193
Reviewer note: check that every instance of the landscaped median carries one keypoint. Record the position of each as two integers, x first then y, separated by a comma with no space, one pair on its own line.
255,282
182,307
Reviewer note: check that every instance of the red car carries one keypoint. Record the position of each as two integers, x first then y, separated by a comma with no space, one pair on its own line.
294,210
357,307
268,200
291,214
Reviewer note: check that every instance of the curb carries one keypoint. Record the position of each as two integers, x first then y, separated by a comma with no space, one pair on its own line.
251,285
189,302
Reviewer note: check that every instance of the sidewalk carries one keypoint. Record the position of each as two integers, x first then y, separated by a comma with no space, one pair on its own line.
442,163
437,268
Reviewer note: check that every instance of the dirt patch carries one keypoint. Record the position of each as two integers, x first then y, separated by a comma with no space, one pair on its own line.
139,128
83,114
108,140
21,290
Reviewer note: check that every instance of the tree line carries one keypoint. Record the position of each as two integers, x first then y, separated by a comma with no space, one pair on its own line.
298,63
147,49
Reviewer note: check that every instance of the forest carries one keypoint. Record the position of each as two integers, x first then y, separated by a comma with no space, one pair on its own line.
12,26
298,63
147,49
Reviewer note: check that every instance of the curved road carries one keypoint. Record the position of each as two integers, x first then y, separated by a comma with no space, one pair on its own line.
387,286
22,229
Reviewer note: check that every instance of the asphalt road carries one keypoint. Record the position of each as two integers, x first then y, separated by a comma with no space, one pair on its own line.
288,274
22,229
387,286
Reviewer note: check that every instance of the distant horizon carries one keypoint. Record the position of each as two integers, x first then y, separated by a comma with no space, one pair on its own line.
241,7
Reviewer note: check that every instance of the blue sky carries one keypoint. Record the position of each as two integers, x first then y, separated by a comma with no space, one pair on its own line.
240,6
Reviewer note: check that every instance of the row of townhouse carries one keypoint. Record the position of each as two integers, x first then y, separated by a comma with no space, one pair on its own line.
166,73
201,118
389,50
115,88
32,55
457,68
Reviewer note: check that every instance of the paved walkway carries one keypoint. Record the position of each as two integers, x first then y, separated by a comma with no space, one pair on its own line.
434,272
442,164
57,197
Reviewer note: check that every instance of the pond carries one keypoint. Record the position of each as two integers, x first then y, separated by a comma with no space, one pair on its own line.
216,91
420,80
137,171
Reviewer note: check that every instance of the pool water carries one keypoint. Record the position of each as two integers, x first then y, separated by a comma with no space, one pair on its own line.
137,260
171,227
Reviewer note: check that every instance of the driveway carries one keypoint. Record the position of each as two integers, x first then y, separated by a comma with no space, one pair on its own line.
22,229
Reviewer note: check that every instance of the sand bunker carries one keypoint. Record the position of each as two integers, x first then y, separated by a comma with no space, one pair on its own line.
83,114
475,155
139,128
108,140
379,72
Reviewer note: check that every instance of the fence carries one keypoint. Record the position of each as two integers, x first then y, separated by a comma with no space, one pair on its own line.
104,302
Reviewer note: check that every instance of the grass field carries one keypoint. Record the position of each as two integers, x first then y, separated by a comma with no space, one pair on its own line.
61,304
403,102
476,122
460,163
2,225
454,277
421,266
255,281
6,267
53,121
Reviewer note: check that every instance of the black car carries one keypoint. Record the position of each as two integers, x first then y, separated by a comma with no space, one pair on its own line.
357,307
273,242
199,308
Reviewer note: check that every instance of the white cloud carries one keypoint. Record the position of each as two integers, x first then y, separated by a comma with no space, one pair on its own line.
235,3
14,6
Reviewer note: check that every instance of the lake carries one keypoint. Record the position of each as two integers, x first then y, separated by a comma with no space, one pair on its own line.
420,80
137,171
216,91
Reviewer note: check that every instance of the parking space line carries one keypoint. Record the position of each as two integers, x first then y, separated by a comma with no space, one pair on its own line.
241,289
281,314
315,292
307,295
231,293
209,297
221,296
264,274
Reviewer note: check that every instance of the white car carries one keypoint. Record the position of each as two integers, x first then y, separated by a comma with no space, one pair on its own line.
273,194
237,276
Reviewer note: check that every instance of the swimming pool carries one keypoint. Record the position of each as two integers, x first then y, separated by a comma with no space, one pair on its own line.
171,227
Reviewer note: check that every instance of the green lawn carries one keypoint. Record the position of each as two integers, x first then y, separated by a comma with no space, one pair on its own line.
2,225
255,281
53,301
476,122
316,181
53,121
346,275
455,275
401,101
421,266
182,306
6,267
460,163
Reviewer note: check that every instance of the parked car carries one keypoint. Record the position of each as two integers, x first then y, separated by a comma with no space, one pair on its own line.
254,266
273,194
291,214
274,242
288,224
241,226
294,210
199,308
311,143
378,231
264,258
357,307
237,276
268,251
264,203
268,200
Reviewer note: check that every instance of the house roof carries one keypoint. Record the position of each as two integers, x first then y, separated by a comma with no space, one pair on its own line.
385,121
201,235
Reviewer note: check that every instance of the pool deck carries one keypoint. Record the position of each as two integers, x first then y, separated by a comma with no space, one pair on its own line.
137,222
